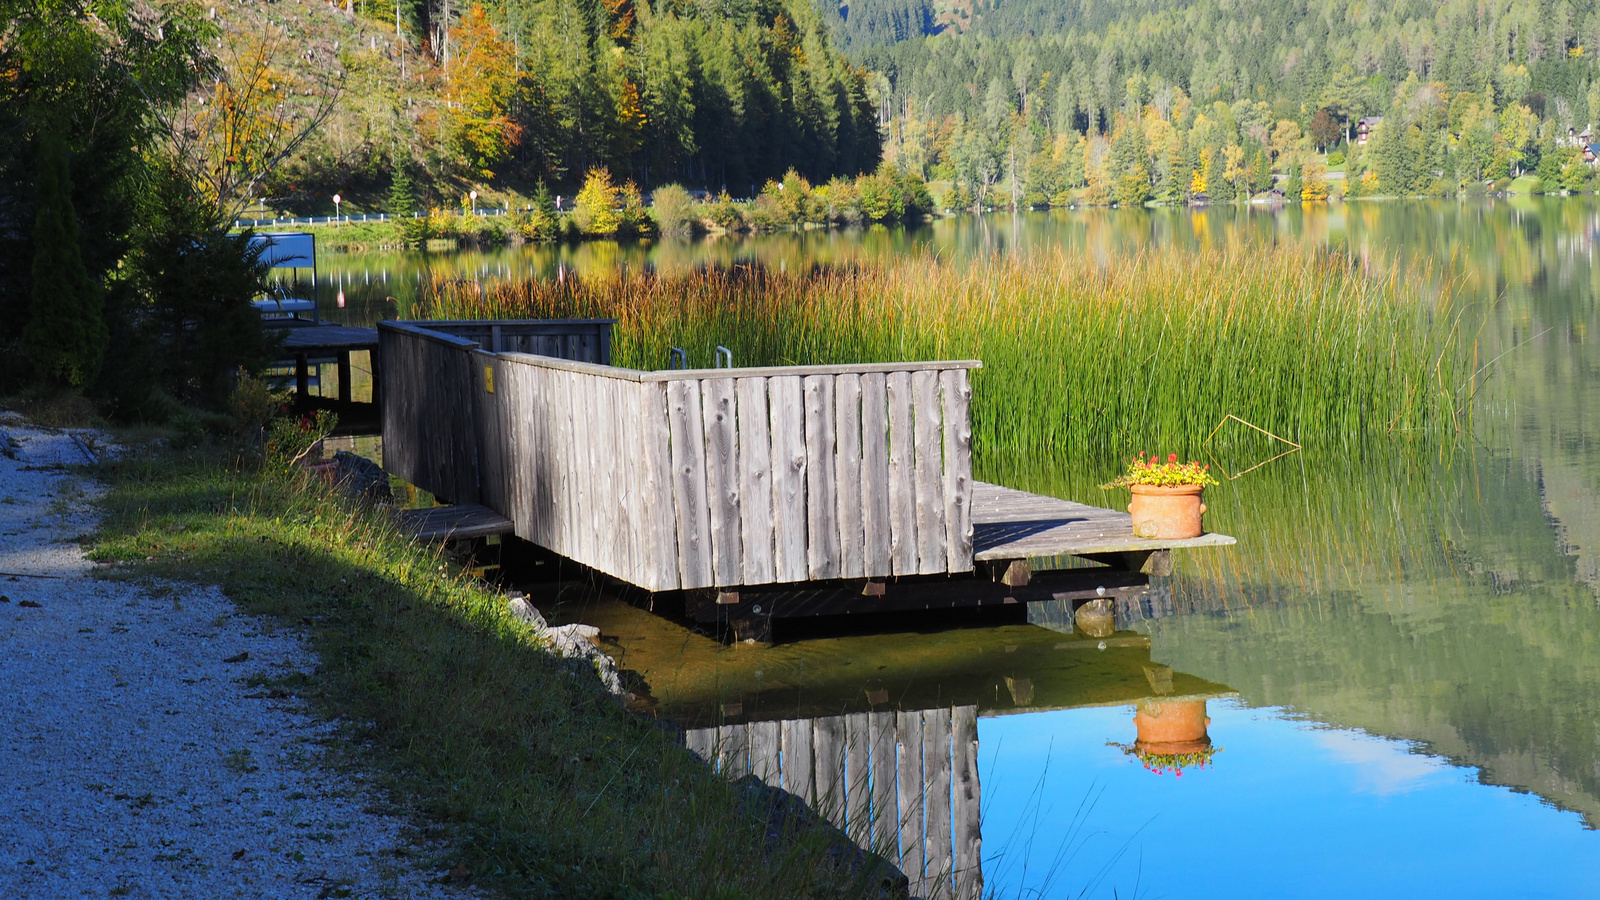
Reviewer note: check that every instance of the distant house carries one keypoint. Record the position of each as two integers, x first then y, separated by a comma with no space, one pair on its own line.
1364,128
1591,153
1579,138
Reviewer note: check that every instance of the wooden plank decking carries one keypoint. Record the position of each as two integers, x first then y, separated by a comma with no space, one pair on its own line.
452,523
1012,524
322,339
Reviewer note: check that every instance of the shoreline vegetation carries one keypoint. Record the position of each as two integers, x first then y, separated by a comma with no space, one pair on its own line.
1083,359
886,197
541,783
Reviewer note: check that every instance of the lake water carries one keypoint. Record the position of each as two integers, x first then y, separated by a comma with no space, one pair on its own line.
1400,658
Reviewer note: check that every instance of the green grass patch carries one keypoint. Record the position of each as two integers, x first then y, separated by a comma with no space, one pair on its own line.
1523,184
1087,357
545,786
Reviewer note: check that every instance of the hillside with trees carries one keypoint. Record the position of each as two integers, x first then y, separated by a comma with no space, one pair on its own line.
510,93
1159,99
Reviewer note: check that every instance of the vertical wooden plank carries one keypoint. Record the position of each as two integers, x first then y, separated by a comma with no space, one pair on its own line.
542,453
929,438
625,471
858,777
592,505
912,791
525,420
799,768
689,484
755,480
597,511
626,452
877,561
968,839
956,394
885,763
822,504
491,442
786,409
563,455
605,448
578,517
660,544
936,773
702,742
847,468
902,475
765,743
828,754
722,480
733,746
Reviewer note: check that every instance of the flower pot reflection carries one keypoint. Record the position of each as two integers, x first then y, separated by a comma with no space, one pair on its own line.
1171,736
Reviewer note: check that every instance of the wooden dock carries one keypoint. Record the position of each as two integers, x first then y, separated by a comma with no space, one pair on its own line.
306,342
728,481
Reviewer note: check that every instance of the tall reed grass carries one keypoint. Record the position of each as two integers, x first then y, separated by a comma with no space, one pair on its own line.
1082,357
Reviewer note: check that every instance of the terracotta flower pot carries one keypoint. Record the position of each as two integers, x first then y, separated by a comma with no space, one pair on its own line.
1166,512
1172,722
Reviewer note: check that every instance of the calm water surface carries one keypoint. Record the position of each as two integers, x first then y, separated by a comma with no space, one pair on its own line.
1401,658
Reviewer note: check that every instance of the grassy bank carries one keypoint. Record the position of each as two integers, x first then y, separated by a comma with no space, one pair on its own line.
1082,357
545,785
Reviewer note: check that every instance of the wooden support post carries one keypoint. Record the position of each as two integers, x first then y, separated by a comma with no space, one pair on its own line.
344,376
302,376
373,363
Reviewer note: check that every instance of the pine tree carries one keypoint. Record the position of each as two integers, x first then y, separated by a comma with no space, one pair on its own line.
65,336
402,193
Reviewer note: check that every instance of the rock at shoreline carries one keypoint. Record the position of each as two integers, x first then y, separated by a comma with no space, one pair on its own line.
362,478
572,642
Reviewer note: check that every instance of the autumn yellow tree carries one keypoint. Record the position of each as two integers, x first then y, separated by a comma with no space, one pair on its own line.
595,211
481,86
1314,185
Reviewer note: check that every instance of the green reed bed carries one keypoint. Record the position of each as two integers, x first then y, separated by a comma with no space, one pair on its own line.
1082,357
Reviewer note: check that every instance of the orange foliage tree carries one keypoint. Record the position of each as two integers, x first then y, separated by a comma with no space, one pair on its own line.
481,86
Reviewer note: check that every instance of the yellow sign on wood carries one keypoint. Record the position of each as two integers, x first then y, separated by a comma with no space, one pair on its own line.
488,379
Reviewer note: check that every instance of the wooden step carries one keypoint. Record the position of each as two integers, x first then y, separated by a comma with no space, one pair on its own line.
452,523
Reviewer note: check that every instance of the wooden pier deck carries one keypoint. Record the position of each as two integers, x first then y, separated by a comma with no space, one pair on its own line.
1011,524
738,486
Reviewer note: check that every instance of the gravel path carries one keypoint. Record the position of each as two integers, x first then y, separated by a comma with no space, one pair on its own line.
140,755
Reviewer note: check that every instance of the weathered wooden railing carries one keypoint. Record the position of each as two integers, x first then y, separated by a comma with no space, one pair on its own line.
429,386
727,477
588,340
690,479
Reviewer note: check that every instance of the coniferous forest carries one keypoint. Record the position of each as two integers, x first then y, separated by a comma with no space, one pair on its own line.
1001,102
1133,100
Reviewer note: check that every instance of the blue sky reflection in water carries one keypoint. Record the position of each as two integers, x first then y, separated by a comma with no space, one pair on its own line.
1290,808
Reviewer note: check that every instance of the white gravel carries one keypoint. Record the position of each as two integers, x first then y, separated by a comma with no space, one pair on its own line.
135,759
